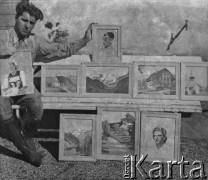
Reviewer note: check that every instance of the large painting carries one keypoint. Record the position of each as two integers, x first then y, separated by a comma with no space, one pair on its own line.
17,74
106,43
156,80
77,137
60,80
117,132
194,81
106,80
160,136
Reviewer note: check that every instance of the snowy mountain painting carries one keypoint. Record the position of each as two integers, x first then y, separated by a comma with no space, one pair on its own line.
107,80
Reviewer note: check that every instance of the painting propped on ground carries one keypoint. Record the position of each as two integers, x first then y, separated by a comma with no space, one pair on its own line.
107,80
156,80
77,137
59,80
117,132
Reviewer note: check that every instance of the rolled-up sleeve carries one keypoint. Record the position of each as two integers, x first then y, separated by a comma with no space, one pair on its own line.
5,47
57,51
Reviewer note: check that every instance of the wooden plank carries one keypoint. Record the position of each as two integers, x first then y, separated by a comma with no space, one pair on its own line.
78,59
7,20
144,105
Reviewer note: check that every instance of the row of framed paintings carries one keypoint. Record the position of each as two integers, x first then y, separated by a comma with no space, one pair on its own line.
154,80
119,131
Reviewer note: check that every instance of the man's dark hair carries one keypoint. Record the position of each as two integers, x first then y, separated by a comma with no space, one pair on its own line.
25,6
110,34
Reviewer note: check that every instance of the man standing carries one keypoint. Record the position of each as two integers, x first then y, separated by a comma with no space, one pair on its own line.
21,38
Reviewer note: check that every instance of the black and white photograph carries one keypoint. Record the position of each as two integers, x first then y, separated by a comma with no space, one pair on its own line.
131,77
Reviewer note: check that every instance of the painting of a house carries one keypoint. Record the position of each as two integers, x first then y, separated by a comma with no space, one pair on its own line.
161,82
195,83
156,80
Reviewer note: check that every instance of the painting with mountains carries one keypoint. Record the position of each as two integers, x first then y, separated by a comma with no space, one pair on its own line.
106,79
60,81
76,137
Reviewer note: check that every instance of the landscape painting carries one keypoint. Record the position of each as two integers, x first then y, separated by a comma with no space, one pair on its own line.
117,132
107,80
77,137
156,80
60,80
195,81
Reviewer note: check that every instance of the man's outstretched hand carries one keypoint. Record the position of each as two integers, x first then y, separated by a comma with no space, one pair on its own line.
88,32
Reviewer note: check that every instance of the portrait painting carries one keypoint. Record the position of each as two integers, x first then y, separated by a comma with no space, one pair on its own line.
160,136
106,43
194,81
107,80
156,80
77,137
17,74
117,132
60,80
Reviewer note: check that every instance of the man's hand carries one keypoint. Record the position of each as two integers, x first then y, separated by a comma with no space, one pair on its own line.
88,32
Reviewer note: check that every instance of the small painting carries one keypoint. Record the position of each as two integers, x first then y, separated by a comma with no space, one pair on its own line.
117,132
194,81
160,136
77,137
17,74
60,80
156,80
107,80
106,43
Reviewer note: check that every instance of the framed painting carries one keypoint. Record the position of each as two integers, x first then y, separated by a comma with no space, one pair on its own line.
117,132
17,74
106,43
160,136
60,80
194,81
77,137
156,80
107,80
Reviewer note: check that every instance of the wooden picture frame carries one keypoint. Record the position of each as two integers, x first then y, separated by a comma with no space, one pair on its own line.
106,43
106,80
160,136
194,81
16,74
117,132
60,80
156,80
77,137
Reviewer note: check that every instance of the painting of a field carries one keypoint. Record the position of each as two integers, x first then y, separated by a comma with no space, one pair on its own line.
107,80
60,80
